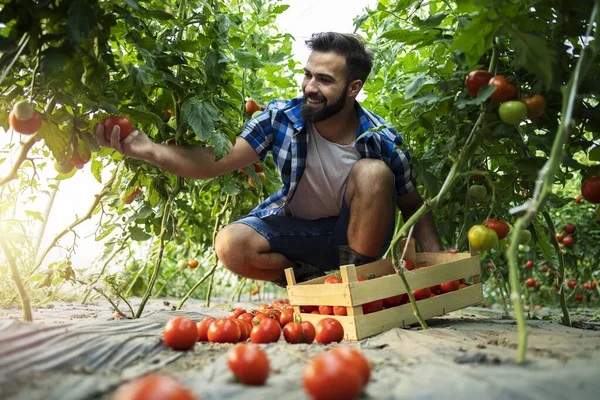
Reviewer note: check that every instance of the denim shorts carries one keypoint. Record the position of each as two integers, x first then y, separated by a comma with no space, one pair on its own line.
315,242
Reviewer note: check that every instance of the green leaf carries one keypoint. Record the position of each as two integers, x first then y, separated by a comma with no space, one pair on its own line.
201,117
96,169
231,188
533,54
476,38
594,154
105,232
144,212
35,215
247,59
416,84
138,234
220,143
59,141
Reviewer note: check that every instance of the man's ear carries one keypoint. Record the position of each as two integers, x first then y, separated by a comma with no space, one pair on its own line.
354,88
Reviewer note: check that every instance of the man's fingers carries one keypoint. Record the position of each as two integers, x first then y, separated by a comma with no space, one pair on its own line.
115,140
99,133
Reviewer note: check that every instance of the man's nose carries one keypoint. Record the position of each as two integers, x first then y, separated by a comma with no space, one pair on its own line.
311,87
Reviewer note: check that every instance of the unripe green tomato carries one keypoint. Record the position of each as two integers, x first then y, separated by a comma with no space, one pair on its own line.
521,248
477,191
63,168
23,110
512,112
182,265
524,237
482,238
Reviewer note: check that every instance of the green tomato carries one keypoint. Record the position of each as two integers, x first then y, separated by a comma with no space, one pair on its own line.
182,265
524,237
63,168
256,113
477,191
482,238
512,112
23,110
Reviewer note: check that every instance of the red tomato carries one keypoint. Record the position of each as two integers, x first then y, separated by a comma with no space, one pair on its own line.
568,241
395,301
294,332
590,189
193,263
202,327
251,106
421,294
332,279
267,331
123,123
245,329
224,330
327,377
372,306
25,126
249,364
451,286
354,359
536,105
530,283
570,228
153,387
236,313
572,283
579,297
79,160
308,309
249,317
286,317
258,317
500,227
274,314
180,333
529,264
326,310
476,80
329,330
340,310
560,237
408,264
504,90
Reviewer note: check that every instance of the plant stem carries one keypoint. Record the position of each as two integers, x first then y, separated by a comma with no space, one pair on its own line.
238,287
14,271
163,231
12,174
204,277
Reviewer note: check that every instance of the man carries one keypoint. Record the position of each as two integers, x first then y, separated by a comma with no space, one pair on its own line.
340,186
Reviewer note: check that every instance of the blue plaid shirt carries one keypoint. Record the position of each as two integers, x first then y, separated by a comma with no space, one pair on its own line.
281,129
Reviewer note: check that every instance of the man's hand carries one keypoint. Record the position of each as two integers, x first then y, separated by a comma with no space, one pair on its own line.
137,145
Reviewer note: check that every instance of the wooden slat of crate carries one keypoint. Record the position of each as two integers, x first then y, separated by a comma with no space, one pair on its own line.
357,293
362,326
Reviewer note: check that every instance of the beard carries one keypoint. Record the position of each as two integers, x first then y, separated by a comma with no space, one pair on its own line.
318,114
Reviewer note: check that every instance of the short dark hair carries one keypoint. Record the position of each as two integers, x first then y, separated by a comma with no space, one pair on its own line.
359,59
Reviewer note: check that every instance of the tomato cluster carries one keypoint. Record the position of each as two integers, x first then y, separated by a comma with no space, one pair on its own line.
24,119
511,111
566,237
259,172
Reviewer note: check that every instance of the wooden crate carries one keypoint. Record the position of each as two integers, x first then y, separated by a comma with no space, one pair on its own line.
442,267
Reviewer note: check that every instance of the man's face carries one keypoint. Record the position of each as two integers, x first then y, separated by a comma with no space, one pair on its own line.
325,86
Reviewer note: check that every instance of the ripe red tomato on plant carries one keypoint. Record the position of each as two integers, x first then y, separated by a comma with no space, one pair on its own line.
448,287
329,330
180,333
355,360
590,189
560,237
570,228
79,160
123,123
153,387
202,327
476,80
579,297
544,268
223,330
536,105
530,283
128,198
568,241
504,90
303,332
529,264
572,283
500,227
267,331
251,106
193,263
249,364
25,126
327,377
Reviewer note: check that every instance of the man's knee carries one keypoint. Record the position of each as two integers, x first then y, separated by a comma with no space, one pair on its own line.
370,175
229,245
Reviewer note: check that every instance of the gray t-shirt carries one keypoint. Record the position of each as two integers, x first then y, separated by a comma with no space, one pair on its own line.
321,189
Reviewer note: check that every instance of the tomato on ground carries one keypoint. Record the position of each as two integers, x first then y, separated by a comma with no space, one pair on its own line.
327,377
202,327
249,364
180,333
266,331
223,330
354,359
153,387
303,332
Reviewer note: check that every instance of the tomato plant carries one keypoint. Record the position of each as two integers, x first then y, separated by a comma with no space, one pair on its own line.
249,364
478,192
123,123
329,330
153,387
180,333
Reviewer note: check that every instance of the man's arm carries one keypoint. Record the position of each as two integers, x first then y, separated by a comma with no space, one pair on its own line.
185,161
425,231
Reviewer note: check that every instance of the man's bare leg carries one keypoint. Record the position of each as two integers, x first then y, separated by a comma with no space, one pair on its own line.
369,195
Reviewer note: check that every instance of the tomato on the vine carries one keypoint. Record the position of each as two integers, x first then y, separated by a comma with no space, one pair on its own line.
504,90
80,160
249,364
524,236
123,123
193,263
530,283
261,176
476,80
590,189
529,264
153,387
251,106
536,105
500,227
63,168
329,330
128,198
180,333
478,192
570,228
482,238
512,112
568,241
25,126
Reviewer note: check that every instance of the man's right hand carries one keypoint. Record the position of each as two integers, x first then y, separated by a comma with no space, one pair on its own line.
137,145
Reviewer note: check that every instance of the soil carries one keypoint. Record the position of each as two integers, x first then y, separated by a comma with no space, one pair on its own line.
74,351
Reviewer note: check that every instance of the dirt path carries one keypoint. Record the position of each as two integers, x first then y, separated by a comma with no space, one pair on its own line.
77,352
